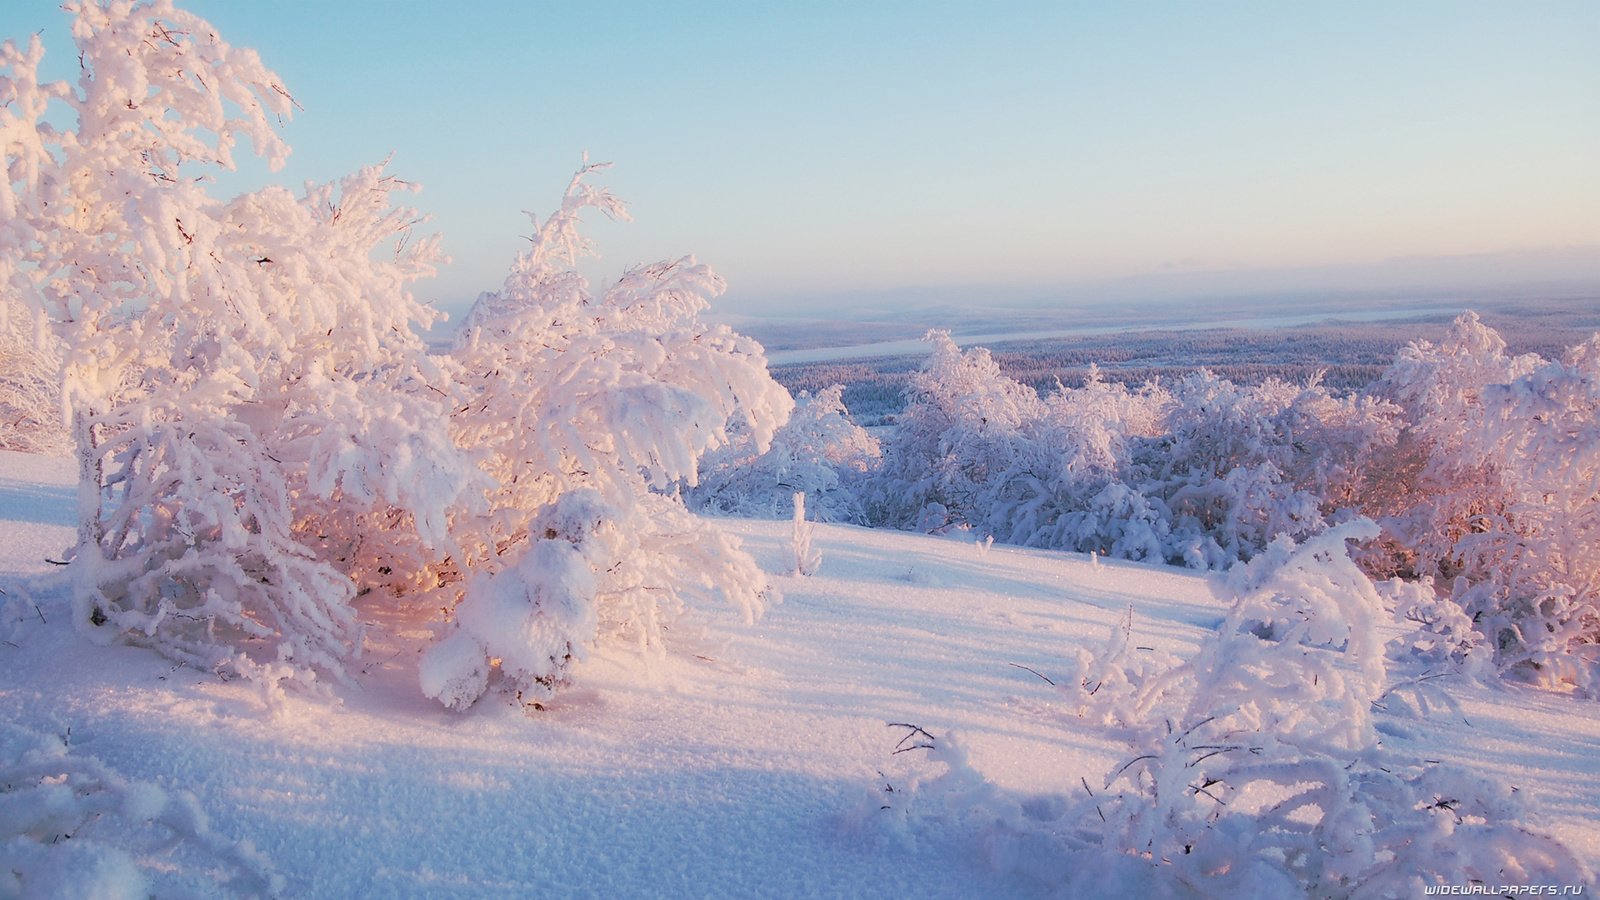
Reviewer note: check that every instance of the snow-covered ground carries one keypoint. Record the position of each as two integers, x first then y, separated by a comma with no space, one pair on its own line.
990,337
749,763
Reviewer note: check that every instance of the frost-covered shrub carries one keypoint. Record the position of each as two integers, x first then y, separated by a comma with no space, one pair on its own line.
261,434
1492,490
530,621
1203,474
1328,443
200,553
1434,489
1442,634
960,427
976,449
246,390
1105,687
819,452
288,454
30,387
1255,769
586,412
1058,482
1536,590
1297,658
806,558
1236,466
71,827
1121,522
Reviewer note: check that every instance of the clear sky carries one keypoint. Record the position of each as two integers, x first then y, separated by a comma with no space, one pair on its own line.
819,150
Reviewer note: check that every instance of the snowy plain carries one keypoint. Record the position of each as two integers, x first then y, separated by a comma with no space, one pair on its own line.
749,762
988,338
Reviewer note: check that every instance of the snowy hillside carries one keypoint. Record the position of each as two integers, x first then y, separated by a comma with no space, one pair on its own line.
752,761
320,609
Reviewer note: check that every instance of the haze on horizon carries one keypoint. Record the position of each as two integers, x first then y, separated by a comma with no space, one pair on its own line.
822,154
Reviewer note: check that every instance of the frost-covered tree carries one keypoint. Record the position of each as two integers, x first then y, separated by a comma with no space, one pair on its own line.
1204,473
1429,492
1238,465
257,425
959,427
1061,485
1494,490
587,412
819,452
1537,575
30,388
262,436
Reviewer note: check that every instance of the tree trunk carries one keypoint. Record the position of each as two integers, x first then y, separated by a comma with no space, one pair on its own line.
86,446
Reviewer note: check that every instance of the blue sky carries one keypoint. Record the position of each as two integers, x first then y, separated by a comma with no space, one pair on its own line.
817,151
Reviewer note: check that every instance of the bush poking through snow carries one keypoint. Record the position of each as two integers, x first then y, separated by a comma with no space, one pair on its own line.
806,559
1257,772
71,827
1442,633
585,413
819,452
1493,492
18,611
245,390
1105,687
528,622
261,434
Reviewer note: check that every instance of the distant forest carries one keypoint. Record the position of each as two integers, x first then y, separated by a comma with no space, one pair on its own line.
1349,354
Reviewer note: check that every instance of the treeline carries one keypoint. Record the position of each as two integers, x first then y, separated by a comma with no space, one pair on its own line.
1350,356
1480,464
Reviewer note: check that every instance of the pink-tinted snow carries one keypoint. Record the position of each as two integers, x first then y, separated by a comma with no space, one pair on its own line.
743,764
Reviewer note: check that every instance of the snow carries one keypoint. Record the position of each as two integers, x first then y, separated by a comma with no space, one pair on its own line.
919,347
748,762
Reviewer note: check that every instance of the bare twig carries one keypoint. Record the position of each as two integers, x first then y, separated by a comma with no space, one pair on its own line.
1212,751
1191,728
278,89
367,669
1201,789
1127,765
911,735
1091,797
1034,671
